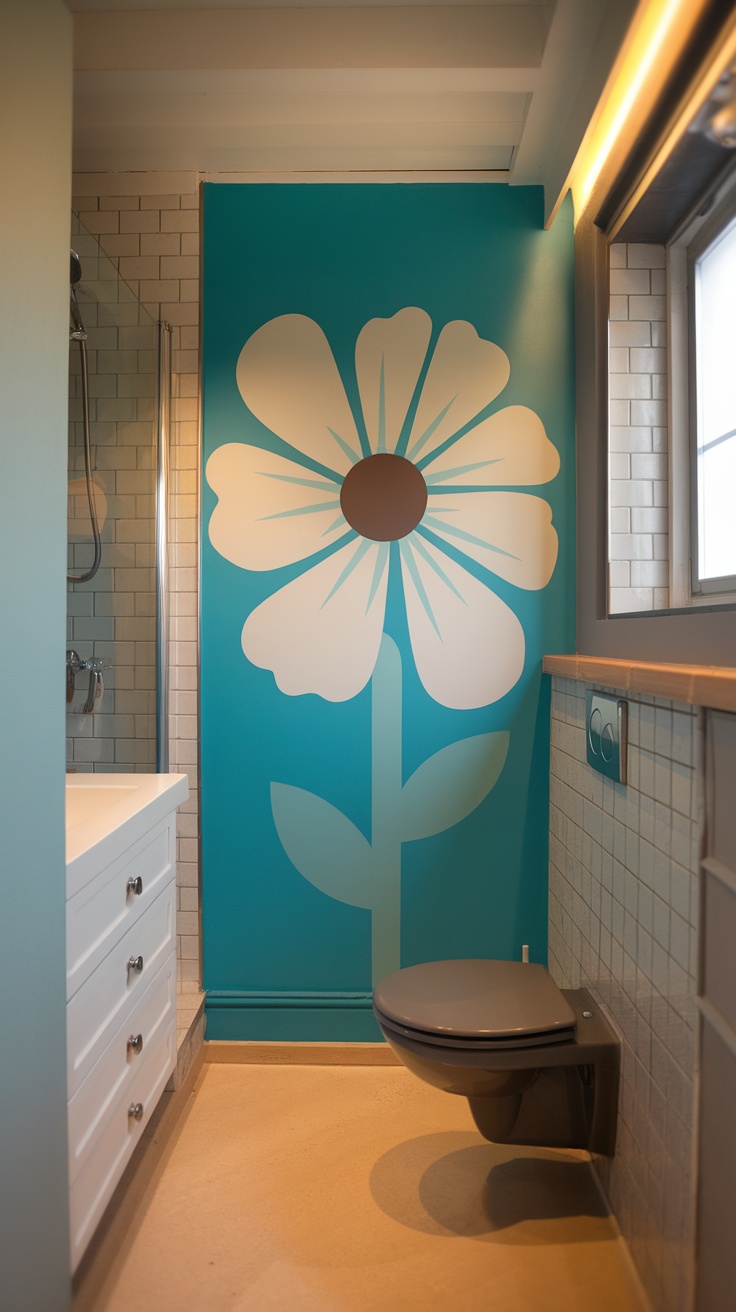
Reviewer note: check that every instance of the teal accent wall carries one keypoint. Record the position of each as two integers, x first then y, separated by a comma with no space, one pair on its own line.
374,720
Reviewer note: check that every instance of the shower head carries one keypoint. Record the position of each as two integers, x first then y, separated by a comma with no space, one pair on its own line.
77,333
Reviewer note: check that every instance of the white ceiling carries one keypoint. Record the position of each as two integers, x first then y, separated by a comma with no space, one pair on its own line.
101,6
316,85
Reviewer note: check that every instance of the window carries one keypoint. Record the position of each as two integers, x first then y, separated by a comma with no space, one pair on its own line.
672,414
701,310
712,286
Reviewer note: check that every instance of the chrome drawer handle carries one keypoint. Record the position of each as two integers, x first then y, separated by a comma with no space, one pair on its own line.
135,885
135,1043
135,963
135,1111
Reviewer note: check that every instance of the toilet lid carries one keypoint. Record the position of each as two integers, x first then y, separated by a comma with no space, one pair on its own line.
476,999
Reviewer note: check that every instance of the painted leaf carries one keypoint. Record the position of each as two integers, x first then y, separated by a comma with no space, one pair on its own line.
324,845
450,784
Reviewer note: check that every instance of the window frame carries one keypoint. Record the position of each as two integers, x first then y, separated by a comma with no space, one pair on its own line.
714,227
701,633
683,251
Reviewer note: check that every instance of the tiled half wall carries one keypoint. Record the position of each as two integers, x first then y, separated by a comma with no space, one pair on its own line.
148,224
623,907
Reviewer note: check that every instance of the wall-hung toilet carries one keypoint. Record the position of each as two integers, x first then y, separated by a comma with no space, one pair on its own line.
539,1065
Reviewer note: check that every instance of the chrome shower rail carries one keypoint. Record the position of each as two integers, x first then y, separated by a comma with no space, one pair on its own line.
162,547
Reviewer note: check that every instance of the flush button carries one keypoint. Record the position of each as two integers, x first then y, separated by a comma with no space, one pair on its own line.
605,719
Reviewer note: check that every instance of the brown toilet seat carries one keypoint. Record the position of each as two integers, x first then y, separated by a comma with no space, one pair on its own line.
476,1004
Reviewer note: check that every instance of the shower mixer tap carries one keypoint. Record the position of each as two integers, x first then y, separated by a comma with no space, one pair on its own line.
96,686
73,665
95,666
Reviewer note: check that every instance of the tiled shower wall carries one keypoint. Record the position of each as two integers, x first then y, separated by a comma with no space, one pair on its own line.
148,224
113,615
638,529
623,907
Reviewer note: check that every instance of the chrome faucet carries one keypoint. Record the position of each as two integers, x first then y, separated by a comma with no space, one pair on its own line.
95,666
73,664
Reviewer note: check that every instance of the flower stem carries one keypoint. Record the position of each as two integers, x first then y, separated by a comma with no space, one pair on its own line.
386,810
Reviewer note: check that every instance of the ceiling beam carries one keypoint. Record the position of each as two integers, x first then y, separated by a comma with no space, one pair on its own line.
448,36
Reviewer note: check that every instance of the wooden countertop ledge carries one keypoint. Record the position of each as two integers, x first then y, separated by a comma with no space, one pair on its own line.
696,685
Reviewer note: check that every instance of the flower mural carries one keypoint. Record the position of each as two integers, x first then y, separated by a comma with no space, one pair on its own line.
426,479
425,466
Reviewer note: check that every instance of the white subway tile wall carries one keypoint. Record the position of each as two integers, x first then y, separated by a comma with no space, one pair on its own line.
638,477
623,913
148,224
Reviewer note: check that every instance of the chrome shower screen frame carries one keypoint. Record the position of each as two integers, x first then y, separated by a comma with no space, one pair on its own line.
162,547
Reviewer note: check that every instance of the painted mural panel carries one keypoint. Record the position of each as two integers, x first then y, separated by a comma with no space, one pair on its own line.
387,552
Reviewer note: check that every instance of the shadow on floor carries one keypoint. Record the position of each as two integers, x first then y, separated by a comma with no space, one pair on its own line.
452,1184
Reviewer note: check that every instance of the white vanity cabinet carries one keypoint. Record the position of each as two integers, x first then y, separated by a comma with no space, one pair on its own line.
121,976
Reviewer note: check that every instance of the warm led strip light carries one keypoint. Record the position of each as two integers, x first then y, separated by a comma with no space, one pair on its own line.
658,26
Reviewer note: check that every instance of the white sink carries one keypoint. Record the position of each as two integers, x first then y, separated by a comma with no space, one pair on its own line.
88,801
106,814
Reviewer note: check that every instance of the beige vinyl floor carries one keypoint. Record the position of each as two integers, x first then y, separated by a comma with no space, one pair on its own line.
353,1189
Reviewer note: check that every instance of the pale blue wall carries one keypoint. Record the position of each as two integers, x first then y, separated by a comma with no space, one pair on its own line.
35,166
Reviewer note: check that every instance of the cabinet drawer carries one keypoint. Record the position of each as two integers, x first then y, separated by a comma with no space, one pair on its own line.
93,1187
115,1070
106,1000
101,912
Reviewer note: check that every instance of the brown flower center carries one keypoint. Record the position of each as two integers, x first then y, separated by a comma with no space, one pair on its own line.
383,497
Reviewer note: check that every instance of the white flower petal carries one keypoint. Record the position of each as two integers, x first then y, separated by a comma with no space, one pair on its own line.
510,449
271,511
321,633
468,645
465,375
510,533
288,378
389,355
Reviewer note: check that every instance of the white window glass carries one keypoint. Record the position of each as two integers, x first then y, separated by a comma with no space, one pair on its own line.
715,332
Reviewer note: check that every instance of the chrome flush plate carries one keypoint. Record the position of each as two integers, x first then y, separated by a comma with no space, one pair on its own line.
606,737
